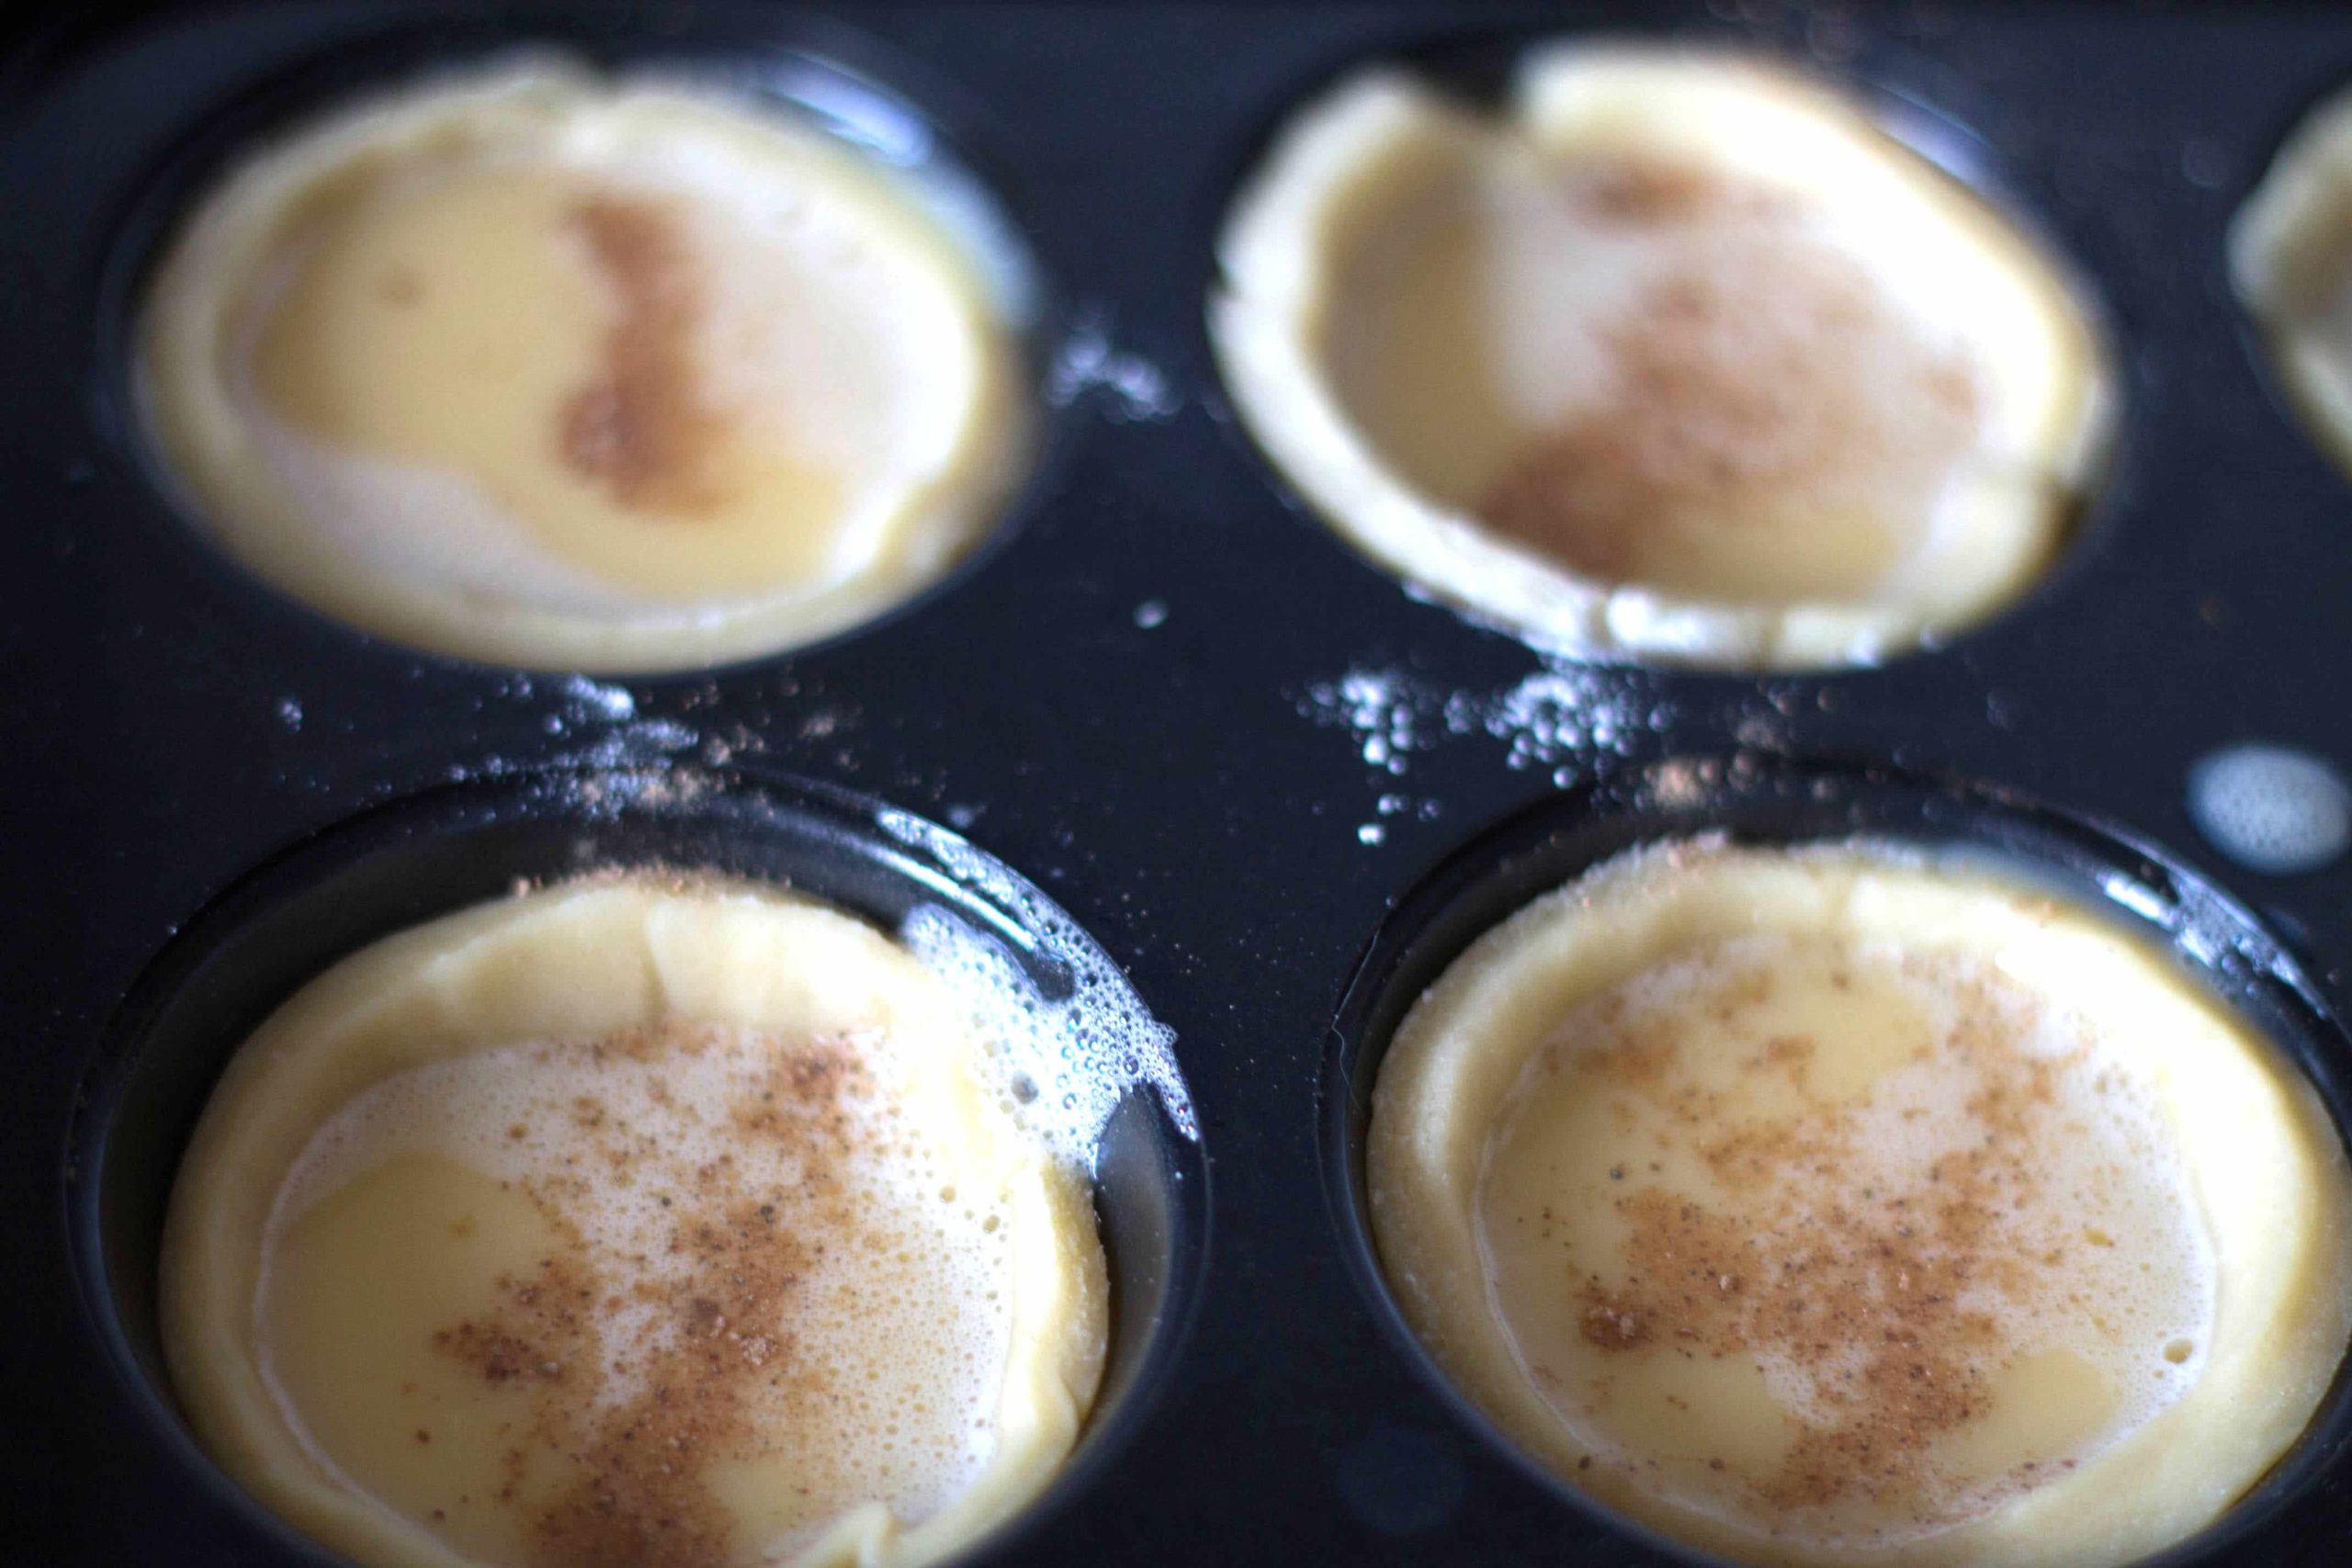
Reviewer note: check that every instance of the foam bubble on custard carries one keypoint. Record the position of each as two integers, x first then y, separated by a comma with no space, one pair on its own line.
2001,1194
785,1271
1070,1059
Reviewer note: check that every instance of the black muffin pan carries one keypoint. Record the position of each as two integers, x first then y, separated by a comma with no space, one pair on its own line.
1276,789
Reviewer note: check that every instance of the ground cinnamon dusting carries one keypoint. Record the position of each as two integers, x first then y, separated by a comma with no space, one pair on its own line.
1757,368
642,428
1644,192
1880,1291
722,1299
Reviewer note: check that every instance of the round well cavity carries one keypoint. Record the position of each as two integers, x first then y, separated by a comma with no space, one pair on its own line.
427,857
650,468
1771,803
1480,333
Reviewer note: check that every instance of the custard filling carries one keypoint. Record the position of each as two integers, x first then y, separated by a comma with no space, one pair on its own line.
533,367
620,1224
1673,354
1676,380
1855,1243
1840,1206
542,335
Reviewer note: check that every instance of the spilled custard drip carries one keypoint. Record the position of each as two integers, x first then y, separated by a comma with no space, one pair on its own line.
678,1297
1847,1242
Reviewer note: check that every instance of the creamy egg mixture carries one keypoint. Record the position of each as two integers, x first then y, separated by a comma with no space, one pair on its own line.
541,368
1829,1206
1677,355
623,1223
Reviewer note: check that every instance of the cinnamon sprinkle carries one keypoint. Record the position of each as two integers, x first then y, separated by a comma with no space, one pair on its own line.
1759,369
642,428
718,1382
1886,1291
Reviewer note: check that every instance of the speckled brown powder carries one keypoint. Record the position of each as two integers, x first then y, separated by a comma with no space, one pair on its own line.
1641,192
1756,369
725,1293
1873,1289
642,429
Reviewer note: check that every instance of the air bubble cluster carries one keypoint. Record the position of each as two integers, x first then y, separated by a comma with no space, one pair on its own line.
1089,1049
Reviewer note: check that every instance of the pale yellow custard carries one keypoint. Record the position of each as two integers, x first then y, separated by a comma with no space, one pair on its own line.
2291,258
1678,356
1831,1206
543,369
626,1223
